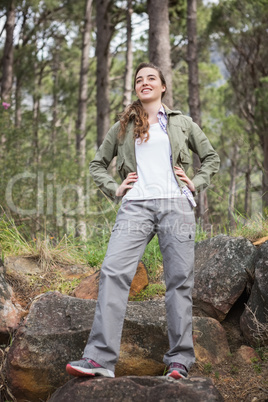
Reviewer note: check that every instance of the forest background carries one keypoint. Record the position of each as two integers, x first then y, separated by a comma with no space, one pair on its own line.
66,72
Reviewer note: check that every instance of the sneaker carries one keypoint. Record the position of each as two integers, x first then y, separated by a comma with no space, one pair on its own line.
177,371
87,367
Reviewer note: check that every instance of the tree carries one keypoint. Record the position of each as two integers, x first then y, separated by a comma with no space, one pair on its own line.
129,58
194,97
8,56
7,61
159,42
82,117
83,89
241,26
104,35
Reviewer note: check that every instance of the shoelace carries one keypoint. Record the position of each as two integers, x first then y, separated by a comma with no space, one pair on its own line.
178,365
95,364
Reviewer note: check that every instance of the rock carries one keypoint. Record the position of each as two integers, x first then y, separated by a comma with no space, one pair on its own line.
260,241
136,389
75,271
223,267
56,330
25,265
10,311
89,287
144,339
140,280
247,355
210,341
254,320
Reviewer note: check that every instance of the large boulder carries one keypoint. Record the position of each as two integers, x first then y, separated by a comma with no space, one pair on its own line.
56,331
223,267
136,389
89,287
10,311
254,320
210,341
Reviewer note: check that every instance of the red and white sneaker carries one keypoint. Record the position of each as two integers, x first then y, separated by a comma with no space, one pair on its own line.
87,367
177,371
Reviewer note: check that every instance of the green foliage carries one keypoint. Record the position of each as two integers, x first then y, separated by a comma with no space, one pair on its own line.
152,258
208,368
152,291
256,365
42,148
217,375
46,249
251,228
263,353
200,233
12,240
59,283
234,369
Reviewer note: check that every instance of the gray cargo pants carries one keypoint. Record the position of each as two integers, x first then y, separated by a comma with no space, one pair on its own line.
136,223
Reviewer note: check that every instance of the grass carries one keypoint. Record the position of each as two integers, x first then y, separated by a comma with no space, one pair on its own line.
46,250
250,228
207,368
151,291
71,250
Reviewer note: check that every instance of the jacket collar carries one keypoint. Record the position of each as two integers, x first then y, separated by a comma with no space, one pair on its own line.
169,111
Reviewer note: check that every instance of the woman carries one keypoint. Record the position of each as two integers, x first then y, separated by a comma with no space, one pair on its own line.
152,146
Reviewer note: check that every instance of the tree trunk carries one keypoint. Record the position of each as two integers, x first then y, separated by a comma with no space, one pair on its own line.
248,187
265,175
129,58
55,76
104,35
38,75
8,56
83,90
18,101
194,99
7,63
36,112
81,120
192,59
232,190
159,42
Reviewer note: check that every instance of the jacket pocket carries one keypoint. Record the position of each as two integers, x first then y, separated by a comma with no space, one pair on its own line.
185,157
120,163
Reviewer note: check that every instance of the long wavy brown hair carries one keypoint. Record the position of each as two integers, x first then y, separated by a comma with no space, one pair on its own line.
135,111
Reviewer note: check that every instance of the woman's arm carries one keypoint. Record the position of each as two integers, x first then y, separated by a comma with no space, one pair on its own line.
99,165
210,161
183,177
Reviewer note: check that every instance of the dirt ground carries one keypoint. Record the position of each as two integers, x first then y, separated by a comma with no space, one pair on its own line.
237,380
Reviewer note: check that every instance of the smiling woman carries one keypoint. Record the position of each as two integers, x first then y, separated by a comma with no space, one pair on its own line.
152,144
148,86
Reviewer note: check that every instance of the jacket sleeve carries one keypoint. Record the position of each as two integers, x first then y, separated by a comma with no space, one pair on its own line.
99,165
210,161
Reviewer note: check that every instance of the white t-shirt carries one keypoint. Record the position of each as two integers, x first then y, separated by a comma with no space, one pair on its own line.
155,174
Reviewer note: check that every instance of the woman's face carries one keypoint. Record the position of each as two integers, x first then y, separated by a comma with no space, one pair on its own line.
148,85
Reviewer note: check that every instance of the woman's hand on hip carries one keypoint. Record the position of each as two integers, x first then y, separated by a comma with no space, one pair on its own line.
125,185
182,176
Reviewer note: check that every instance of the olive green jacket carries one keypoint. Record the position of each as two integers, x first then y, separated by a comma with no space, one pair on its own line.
183,134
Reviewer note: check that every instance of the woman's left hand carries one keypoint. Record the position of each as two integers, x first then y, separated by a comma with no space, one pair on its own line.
181,174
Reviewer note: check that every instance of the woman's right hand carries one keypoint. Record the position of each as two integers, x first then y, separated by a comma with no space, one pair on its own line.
122,189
